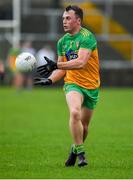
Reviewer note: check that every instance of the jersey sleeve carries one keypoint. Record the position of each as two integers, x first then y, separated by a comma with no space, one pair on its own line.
59,48
89,42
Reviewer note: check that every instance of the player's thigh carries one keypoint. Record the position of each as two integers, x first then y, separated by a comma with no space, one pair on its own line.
86,115
74,100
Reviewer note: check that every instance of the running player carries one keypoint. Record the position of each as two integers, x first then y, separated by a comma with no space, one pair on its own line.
78,63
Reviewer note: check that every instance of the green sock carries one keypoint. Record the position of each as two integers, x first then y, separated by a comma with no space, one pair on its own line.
79,148
74,149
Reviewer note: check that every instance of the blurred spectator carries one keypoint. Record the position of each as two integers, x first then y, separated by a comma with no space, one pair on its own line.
27,47
45,51
12,54
2,72
15,77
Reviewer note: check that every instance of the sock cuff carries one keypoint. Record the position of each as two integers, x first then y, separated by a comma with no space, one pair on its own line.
79,148
74,149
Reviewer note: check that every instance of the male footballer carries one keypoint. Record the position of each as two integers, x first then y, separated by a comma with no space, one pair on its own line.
78,63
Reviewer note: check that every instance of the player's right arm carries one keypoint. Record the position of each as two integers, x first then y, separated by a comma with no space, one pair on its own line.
58,73
55,76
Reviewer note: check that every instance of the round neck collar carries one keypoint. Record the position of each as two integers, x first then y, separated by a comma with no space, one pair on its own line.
75,35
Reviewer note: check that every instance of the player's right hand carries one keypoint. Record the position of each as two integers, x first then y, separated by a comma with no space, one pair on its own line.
42,81
49,67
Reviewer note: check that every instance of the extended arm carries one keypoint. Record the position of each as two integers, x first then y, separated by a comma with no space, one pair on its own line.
78,63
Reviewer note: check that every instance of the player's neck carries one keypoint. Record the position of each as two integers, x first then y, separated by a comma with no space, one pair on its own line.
75,31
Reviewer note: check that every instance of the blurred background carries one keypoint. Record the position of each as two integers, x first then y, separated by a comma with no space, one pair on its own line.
34,131
36,26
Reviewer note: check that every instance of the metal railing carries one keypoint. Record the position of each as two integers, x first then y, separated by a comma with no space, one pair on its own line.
15,24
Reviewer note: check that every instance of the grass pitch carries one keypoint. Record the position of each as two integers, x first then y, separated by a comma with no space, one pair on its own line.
35,138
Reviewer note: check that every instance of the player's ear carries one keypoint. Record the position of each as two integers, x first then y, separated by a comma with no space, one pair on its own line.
79,21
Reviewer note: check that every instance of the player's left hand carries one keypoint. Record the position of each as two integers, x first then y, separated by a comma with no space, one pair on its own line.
47,68
42,81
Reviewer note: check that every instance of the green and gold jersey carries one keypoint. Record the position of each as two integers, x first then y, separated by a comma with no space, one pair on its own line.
68,47
13,53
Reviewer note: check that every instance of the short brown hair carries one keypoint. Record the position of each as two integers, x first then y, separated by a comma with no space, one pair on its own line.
78,11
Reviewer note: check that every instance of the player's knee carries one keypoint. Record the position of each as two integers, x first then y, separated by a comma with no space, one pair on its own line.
75,113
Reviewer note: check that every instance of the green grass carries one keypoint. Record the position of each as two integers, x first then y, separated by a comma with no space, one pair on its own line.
35,138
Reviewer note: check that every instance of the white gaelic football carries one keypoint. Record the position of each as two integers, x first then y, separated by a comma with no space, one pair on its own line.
25,62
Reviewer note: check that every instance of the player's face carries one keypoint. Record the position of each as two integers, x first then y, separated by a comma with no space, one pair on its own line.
70,22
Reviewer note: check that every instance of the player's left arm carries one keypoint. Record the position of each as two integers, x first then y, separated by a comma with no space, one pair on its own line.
79,63
87,45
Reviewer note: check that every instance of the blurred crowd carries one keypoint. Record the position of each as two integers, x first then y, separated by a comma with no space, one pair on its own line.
8,73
